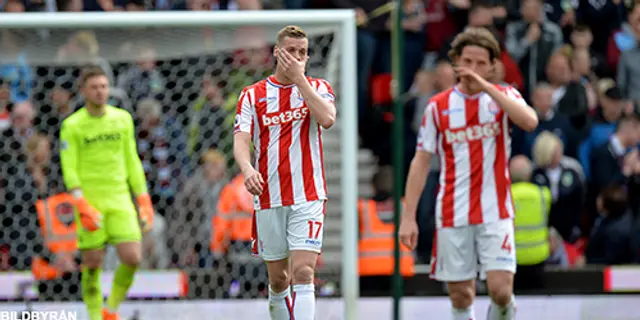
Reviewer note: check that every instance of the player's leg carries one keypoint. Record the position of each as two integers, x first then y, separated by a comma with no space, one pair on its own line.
304,235
455,263
91,244
496,250
123,230
272,246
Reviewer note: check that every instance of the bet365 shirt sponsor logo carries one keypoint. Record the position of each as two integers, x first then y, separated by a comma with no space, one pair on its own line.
102,137
473,133
280,118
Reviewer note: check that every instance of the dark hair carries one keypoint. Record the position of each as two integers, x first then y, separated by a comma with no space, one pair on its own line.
479,37
614,200
581,28
90,72
480,4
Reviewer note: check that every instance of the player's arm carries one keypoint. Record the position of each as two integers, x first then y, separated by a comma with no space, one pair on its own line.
420,165
242,127
321,102
514,106
136,177
69,158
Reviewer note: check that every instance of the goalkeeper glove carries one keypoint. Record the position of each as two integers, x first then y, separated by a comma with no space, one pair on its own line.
146,211
90,218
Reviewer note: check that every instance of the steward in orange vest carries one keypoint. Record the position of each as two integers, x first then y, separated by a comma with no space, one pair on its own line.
376,244
57,226
232,223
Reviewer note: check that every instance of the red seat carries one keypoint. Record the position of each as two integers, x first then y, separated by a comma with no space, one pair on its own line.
572,253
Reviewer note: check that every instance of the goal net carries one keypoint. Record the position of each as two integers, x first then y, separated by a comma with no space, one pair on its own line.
181,85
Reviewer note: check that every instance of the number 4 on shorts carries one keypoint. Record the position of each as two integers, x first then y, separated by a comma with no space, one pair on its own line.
318,226
506,244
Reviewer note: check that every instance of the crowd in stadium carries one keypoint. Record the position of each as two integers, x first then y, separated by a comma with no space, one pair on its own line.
574,62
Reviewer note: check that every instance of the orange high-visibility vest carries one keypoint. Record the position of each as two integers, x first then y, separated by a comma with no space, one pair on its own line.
376,245
58,235
233,219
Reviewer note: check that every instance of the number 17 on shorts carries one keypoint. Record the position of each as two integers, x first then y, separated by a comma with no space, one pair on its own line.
296,227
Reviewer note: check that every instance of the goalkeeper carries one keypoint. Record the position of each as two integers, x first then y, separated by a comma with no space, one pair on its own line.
101,167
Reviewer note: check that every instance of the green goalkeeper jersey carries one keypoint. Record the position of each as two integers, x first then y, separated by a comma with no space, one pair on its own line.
100,153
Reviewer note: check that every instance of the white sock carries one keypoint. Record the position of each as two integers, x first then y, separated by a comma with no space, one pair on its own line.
279,304
497,312
463,314
304,302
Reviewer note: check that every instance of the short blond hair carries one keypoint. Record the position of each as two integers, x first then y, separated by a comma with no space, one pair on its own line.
545,148
212,156
294,32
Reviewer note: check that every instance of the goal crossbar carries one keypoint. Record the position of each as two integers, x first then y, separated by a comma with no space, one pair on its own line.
343,20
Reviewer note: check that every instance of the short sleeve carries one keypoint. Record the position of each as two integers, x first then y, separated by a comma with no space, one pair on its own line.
325,90
514,94
428,133
244,112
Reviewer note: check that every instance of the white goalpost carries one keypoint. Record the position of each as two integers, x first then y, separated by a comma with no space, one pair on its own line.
338,64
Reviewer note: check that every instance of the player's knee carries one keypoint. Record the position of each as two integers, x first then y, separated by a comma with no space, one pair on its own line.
303,273
132,259
501,295
500,287
92,260
461,296
279,280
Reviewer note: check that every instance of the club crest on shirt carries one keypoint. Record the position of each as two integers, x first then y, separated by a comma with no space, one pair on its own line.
493,108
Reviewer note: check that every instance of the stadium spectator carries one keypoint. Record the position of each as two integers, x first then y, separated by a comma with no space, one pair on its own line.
603,124
582,38
162,149
569,96
613,162
628,67
604,17
155,254
142,80
83,48
564,177
38,149
189,230
548,120
581,67
14,6
207,125
625,38
531,42
15,70
5,116
532,205
611,241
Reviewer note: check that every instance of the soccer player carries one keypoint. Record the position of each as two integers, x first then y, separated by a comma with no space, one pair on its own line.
283,115
101,167
467,126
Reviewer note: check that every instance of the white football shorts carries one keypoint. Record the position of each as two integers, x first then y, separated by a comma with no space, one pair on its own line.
296,227
461,253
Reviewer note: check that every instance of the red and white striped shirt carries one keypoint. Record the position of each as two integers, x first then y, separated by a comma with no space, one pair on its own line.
287,141
470,134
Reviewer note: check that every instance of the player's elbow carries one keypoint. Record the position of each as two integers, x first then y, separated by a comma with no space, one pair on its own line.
328,121
530,123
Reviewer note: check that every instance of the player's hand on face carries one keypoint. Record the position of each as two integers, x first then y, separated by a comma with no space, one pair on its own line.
253,182
464,72
294,69
409,233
